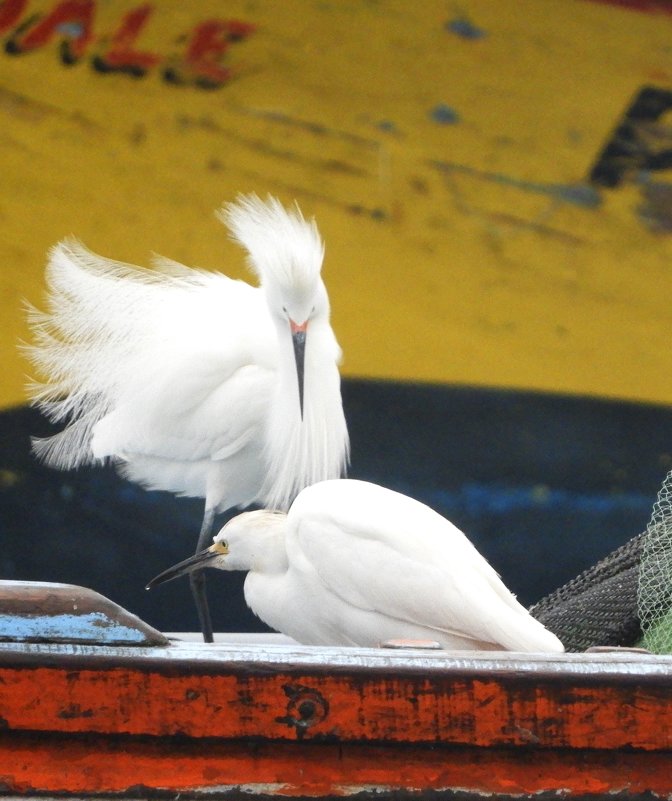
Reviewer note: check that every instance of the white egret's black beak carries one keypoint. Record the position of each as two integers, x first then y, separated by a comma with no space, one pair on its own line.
196,562
299,342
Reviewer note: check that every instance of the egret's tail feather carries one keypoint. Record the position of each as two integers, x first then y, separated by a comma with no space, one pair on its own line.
516,630
67,449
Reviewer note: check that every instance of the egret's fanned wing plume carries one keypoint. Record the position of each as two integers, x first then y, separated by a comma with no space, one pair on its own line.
147,348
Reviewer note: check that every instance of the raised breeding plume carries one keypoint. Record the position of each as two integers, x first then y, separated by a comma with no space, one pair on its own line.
355,564
190,381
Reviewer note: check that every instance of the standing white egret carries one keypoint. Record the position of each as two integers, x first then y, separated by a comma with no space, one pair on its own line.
353,563
190,381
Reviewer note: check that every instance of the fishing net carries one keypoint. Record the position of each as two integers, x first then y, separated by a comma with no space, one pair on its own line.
599,606
654,597
626,598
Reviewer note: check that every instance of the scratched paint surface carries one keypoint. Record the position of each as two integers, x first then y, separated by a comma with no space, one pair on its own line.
444,708
99,765
447,157
497,723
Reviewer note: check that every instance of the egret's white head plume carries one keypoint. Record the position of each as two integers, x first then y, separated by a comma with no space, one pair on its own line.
283,247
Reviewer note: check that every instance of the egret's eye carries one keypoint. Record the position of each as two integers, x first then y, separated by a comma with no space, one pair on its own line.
284,308
224,544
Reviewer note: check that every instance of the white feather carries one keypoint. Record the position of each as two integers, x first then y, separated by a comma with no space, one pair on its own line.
186,378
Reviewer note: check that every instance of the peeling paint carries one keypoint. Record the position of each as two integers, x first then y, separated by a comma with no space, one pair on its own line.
655,211
387,126
172,721
464,28
444,114
641,141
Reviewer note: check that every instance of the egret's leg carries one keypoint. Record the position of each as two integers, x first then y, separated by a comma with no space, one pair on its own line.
197,578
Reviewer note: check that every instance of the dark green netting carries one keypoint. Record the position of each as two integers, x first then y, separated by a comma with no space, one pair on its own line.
599,606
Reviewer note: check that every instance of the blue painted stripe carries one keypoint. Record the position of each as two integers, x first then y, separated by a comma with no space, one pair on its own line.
478,499
94,627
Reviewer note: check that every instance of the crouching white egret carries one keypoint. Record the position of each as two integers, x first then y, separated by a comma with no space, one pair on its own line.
190,381
353,563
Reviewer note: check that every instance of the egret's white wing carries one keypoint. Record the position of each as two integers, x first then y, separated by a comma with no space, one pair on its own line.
146,360
383,552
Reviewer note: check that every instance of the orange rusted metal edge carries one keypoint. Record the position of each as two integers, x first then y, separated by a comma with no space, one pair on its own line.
298,721
137,768
295,721
351,695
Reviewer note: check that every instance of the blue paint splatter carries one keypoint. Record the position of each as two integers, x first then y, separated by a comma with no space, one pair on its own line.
73,29
574,136
444,115
387,125
577,194
464,27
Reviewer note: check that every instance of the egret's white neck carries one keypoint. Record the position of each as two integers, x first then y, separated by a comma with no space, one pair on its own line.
302,452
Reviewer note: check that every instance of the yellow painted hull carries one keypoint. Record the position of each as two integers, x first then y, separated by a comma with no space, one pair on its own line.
446,158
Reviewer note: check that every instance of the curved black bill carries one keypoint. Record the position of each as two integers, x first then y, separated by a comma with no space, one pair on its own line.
195,562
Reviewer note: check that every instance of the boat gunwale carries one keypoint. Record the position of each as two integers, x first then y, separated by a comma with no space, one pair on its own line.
214,659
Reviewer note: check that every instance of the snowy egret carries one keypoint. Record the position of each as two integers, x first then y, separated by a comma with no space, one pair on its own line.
353,563
190,381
